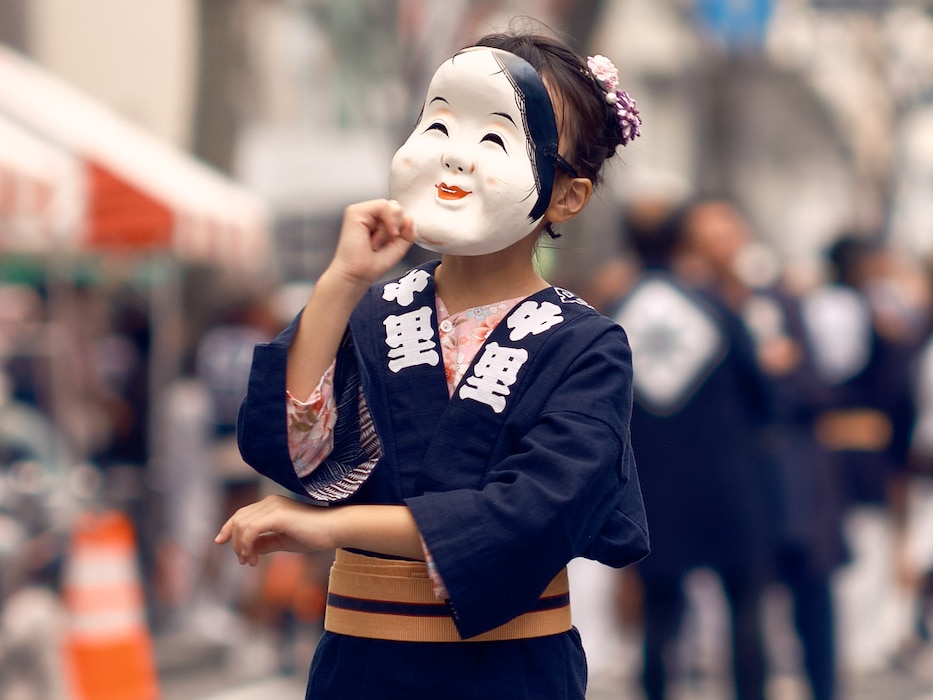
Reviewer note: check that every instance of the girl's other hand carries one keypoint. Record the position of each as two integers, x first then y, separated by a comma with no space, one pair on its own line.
275,524
374,236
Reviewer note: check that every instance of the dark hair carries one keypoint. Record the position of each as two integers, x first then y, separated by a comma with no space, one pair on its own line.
848,252
588,121
656,229
651,230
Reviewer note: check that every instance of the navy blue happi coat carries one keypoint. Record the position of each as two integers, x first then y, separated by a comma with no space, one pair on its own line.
526,467
701,404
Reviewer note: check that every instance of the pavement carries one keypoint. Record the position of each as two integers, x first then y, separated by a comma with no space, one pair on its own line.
194,668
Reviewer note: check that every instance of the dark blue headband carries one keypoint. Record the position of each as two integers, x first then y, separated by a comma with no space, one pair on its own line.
534,104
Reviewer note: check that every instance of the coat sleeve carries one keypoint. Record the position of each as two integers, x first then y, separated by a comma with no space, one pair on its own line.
262,425
567,488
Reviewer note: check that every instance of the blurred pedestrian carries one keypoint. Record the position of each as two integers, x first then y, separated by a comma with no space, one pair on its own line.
863,356
808,536
473,417
701,404
915,556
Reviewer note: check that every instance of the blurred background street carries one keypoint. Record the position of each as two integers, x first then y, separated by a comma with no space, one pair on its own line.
172,178
211,677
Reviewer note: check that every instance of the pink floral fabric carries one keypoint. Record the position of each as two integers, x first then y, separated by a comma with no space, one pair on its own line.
464,333
311,425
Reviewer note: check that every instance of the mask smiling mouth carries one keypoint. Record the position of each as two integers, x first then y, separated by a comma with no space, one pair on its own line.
445,191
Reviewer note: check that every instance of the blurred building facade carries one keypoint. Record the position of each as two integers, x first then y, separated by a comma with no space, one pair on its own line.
810,114
813,114
140,59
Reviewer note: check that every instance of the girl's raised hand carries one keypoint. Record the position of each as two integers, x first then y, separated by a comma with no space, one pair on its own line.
374,236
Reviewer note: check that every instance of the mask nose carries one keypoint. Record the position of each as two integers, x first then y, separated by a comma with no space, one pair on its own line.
456,164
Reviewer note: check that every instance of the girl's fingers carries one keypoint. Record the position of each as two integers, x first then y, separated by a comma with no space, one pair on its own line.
393,216
235,531
408,229
379,238
255,529
389,224
374,236
224,535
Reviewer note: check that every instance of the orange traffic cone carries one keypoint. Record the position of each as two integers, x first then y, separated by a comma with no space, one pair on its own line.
108,651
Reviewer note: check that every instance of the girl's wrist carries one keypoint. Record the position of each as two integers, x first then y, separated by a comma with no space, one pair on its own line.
343,282
383,529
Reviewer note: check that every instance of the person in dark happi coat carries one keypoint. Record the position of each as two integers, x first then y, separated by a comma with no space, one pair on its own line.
466,423
808,538
701,404
863,359
866,367
809,544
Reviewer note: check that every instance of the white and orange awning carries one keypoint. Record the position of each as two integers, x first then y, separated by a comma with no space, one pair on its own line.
40,191
129,190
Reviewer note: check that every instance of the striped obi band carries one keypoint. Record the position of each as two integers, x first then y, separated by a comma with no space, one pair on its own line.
391,599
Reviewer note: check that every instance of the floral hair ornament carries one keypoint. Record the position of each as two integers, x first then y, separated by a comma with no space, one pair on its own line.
607,75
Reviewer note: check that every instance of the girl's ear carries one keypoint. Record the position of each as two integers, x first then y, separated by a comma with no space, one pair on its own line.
569,199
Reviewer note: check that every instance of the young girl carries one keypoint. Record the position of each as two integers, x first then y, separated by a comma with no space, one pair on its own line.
471,421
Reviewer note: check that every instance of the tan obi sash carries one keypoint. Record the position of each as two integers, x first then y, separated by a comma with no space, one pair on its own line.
864,430
391,599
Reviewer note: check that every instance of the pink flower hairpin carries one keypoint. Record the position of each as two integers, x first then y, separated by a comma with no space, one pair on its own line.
607,75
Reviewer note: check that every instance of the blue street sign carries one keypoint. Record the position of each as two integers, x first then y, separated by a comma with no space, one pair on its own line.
737,23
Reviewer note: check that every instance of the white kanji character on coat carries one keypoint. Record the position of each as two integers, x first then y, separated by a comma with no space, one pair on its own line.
533,318
403,292
410,338
493,375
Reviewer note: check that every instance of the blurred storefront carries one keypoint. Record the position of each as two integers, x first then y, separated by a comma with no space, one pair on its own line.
139,59
136,193
81,184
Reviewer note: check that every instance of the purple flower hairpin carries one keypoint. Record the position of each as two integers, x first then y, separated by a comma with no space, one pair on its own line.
607,75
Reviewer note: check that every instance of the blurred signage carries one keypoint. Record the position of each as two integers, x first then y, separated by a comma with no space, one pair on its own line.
737,23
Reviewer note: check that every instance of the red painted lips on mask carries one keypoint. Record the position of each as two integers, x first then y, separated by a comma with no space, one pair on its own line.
444,191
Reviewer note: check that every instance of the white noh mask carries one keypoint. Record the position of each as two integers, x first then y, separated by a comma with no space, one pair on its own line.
477,172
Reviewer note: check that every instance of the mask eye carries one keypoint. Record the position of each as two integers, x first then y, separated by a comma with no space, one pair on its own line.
496,139
437,126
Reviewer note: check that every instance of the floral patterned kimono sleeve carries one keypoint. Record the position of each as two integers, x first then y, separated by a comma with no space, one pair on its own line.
311,425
